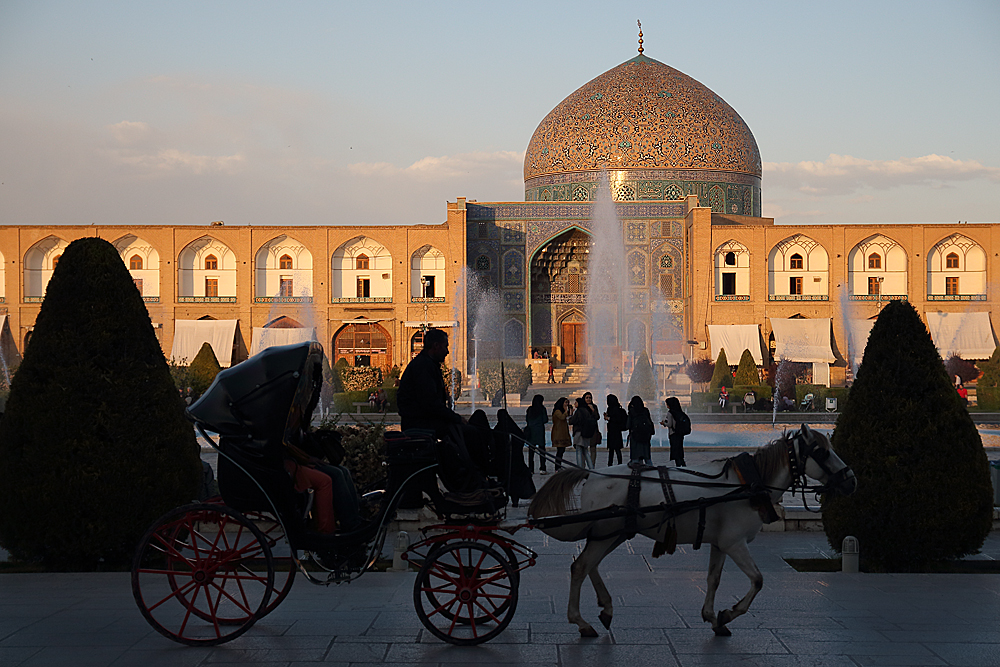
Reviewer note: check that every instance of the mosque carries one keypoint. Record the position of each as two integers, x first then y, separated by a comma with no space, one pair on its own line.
703,270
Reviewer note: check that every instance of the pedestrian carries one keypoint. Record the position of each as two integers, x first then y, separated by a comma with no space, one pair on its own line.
617,420
536,417
963,394
723,397
678,425
510,439
552,372
560,429
584,426
595,438
640,432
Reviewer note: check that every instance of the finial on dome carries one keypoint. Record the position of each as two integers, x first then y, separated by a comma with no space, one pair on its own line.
640,36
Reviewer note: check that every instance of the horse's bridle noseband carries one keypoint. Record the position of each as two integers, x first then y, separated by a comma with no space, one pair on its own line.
809,448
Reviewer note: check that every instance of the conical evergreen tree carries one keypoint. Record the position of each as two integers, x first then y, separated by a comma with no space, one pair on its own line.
924,492
722,375
746,372
641,383
94,445
203,369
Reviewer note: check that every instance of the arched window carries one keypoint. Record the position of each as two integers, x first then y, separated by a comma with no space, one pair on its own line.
482,263
951,261
361,262
211,263
874,261
730,258
135,263
795,261
285,262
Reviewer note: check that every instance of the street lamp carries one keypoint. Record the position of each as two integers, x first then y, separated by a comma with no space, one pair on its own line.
423,295
878,297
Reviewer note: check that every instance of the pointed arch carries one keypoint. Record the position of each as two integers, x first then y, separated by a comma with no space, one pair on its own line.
956,270
877,269
143,263
283,269
39,262
350,283
732,272
196,282
427,273
798,270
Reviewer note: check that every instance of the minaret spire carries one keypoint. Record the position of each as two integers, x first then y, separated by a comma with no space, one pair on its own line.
640,36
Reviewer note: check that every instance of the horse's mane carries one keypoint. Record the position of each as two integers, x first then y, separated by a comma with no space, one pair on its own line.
771,458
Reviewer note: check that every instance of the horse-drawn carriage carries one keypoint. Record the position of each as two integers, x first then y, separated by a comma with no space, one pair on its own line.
204,573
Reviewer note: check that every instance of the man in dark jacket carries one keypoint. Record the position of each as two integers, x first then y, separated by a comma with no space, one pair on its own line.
422,398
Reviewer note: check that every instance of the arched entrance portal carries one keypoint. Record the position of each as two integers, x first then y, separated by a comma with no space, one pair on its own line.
363,344
558,296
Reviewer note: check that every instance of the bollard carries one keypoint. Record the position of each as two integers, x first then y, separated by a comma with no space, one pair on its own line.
402,544
851,555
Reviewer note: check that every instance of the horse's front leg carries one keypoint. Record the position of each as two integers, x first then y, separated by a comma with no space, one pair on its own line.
740,554
586,565
715,562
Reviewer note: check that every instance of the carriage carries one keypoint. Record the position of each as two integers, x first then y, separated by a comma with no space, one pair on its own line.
205,572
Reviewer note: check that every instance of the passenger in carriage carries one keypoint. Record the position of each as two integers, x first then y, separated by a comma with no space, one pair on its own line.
316,465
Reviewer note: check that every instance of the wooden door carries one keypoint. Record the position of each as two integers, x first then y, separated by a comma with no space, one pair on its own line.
574,342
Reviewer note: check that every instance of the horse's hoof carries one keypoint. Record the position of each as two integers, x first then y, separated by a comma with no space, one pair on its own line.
605,620
588,633
722,631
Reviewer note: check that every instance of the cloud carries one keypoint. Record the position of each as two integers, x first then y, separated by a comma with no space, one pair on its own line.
844,174
447,167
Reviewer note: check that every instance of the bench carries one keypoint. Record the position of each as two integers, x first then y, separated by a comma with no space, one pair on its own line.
365,404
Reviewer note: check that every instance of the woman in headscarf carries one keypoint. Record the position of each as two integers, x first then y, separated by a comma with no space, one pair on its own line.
510,438
617,420
584,426
595,437
674,413
641,429
536,417
481,423
560,429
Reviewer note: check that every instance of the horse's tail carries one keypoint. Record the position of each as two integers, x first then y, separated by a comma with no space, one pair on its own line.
551,498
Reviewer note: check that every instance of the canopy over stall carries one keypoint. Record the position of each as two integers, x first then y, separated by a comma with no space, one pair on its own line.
265,337
802,340
735,338
968,335
858,331
190,335
8,347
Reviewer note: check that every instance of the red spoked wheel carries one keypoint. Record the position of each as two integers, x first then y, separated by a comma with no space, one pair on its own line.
465,592
285,566
202,574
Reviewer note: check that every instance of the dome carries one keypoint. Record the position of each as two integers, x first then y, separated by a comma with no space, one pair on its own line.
657,124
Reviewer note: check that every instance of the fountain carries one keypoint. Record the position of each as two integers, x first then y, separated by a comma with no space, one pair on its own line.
486,327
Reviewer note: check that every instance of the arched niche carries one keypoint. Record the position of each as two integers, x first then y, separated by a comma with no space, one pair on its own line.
798,270
876,267
732,271
364,343
427,273
206,271
283,270
39,262
143,263
956,270
362,271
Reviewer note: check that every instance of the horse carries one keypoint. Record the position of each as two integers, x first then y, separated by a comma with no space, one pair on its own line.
723,503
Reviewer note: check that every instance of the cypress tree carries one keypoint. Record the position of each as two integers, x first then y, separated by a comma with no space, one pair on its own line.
641,383
94,445
203,369
746,372
924,492
722,375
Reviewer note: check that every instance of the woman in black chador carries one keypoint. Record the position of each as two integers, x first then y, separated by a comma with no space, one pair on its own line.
509,439
617,420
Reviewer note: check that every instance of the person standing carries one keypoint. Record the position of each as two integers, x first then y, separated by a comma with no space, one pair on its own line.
595,438
640,431
552,371
678,425
584,425
536,418
560,429
723,397
617,420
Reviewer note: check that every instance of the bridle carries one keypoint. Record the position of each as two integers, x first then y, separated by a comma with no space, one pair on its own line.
802,447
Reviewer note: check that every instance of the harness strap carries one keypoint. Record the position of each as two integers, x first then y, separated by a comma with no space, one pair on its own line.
701,528
668,544
632,502
749,476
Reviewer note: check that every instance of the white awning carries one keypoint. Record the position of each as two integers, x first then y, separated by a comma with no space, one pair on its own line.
969,335
431,325
735,338
265,337
8,348
802,340
669,359
858,332
190,335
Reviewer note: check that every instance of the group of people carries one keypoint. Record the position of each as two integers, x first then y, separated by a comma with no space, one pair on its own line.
379,400
749,399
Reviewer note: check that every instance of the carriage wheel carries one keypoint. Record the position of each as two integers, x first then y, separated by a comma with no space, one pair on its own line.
465,592
285,566
202,574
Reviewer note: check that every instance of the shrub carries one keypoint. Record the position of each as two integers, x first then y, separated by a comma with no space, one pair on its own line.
990,371
763,392
746,372
700,371
642,383
453,381
203,370
518,378
360,378
78,491
924,492
965,370
721,376
364,453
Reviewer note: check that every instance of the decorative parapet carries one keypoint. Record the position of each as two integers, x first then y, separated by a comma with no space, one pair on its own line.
151,299
798,297
361,299
878,297
427,299
282,299
956,297
732,297
206,299
34,299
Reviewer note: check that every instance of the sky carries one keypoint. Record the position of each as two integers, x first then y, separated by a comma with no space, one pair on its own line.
347,113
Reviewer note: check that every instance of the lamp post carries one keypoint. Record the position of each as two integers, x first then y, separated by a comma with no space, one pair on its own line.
423,296
878,297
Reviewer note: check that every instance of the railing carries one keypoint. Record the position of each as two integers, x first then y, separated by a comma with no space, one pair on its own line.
878,297
206,299
956,297
732,297
798,297
34,299
151,299
361,299
426,299
282,299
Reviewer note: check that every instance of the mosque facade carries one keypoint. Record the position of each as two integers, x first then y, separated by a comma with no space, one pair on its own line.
702,270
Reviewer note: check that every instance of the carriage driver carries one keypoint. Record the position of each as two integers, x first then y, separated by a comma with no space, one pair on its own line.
422,400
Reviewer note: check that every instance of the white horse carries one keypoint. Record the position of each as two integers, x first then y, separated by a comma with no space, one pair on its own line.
706,514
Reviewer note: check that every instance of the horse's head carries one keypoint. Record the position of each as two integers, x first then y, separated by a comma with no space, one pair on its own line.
811,455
